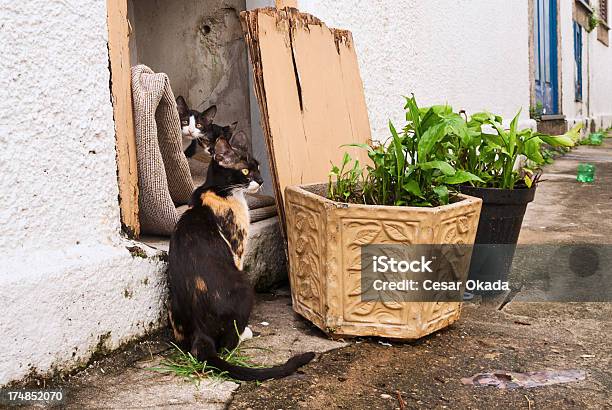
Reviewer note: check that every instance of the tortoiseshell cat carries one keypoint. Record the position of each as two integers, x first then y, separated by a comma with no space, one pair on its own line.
210,296
197,128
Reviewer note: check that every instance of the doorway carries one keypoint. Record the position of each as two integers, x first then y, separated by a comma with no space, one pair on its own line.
546,56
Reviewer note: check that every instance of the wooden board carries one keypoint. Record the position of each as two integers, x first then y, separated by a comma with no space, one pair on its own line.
310,95
285,3
121,93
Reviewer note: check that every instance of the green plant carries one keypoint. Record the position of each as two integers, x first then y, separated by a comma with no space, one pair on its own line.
536,112
500,157
411,168
594,138
594,21
184,364
349,182
575,133
605,131
550,153
438,149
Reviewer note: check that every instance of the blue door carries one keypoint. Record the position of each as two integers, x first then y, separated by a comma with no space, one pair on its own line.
545,47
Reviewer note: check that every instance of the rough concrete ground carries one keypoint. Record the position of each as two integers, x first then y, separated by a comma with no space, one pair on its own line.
513,336
125,380
365,374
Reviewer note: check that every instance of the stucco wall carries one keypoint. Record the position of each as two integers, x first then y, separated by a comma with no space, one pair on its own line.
600,76
472,54
574,111
67,281
596,73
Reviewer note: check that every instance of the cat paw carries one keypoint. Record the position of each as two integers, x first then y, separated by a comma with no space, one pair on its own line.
246,334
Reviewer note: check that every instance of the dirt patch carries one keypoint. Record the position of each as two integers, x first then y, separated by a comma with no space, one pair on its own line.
427,373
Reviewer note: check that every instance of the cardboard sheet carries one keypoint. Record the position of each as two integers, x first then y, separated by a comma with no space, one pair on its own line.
310,95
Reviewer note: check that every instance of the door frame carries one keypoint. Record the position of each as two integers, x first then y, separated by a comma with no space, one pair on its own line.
555,73
119,31
121,97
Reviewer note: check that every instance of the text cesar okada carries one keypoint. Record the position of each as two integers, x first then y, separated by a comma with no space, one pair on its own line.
384,264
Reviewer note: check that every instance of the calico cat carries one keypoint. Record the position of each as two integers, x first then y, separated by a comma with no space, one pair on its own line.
210,296
197,128
214,133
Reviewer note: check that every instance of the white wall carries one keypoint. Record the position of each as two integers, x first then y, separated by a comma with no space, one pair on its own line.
67,280
596,73
600,77
601,82
473,54
573,110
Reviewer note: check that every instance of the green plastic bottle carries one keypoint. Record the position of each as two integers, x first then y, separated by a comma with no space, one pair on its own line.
586,173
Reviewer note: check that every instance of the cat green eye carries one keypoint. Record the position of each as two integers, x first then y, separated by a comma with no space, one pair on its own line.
185,123
245,171
199,125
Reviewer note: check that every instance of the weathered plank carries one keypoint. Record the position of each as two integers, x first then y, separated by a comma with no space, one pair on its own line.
121,93
286,3
309,89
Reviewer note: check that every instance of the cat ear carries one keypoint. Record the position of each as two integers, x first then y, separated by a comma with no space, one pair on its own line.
240,141
181,105
224,154
209,114
233,126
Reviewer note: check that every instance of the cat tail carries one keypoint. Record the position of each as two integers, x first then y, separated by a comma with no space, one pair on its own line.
249,374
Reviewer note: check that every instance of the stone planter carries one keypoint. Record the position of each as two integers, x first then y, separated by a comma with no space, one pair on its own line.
324,242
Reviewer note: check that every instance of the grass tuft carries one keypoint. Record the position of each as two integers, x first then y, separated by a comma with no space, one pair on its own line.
185,365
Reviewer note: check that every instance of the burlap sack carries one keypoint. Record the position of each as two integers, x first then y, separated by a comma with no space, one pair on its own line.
163,173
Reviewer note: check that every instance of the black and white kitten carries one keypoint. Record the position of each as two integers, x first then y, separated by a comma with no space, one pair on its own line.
197,128
210,296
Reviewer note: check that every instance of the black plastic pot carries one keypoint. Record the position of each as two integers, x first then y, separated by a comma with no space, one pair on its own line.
500,223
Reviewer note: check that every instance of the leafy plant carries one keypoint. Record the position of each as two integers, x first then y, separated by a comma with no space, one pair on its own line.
349,181
438,149
575,133
594,138
536,112
594,21
500,157
550,153
411,168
